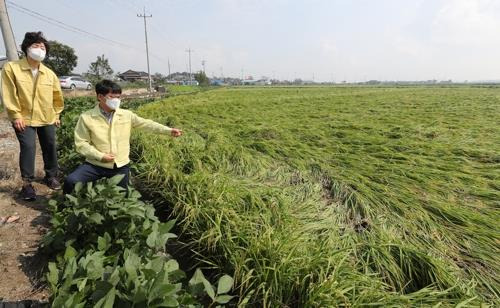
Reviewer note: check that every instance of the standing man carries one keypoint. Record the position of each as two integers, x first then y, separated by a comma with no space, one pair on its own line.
33,99
102,135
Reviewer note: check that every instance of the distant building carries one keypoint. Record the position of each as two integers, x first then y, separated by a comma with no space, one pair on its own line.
260,82
217,82
131,75
191,83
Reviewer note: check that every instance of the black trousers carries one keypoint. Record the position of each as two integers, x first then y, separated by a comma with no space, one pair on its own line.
90,173
27,142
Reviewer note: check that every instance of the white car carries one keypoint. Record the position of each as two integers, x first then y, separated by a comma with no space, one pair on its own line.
74,82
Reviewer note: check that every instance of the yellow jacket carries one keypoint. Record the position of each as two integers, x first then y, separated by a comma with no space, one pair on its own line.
38,101
94,136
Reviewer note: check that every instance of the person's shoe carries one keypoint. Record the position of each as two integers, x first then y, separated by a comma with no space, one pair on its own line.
28,192
52,183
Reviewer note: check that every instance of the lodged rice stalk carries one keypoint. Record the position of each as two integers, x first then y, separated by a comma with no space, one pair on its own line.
316,197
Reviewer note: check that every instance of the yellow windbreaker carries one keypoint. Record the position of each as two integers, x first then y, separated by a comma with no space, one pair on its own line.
94,136
38,101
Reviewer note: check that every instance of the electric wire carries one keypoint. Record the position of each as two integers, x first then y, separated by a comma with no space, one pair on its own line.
61,24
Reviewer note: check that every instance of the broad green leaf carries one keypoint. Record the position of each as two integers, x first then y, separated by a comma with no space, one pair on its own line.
164,238
156,264
209,289
72,199
170,302
139,297
107,301
69,270
59,301
225,284
103,242
162,290
81,284
101,290
69,302
167,226
116,179
151,240
69,253
136,212
171,265
131,264
97,218
78,187
197,277
146,225
196,286
114,278
223,299
95,267
53,274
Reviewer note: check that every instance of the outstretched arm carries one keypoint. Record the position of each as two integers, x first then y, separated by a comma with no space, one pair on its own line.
141,123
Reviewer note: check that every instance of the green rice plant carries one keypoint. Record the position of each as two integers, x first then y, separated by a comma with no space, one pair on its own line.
316,197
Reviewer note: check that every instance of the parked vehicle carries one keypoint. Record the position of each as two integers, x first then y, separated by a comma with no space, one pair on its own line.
74,82
191,83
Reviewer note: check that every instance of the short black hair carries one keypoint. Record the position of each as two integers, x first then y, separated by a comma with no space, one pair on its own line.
31,38
106,86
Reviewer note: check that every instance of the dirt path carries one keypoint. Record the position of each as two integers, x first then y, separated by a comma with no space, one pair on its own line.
19,240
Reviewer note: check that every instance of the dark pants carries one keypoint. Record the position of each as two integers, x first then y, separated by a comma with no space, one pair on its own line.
27,143
91,173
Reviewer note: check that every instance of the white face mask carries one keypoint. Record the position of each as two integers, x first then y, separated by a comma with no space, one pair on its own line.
37,54
113,103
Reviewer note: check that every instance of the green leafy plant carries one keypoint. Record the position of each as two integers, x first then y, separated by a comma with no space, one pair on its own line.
111,252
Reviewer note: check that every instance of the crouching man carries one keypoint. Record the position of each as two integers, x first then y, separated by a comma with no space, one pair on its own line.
102,135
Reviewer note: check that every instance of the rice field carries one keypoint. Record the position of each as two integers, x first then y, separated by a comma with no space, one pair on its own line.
335,196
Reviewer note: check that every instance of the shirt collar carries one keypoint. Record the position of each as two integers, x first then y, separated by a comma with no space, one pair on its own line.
97,111
26,66
104,112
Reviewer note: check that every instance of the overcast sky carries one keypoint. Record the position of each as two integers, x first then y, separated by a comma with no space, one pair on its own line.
353,40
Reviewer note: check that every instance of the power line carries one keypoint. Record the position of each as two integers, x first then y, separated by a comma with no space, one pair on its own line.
70,28
132,8
61,24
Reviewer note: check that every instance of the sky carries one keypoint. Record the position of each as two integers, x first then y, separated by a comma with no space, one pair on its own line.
320,40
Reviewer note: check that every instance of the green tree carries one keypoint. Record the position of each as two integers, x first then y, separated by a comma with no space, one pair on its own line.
61,58
202,78
99,69
159,78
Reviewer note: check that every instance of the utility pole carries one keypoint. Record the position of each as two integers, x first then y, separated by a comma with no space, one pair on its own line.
203,65
144,16
8,36
189,51
168,68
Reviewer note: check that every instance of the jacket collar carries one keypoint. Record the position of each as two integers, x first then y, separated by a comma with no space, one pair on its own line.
26,66
96,112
